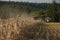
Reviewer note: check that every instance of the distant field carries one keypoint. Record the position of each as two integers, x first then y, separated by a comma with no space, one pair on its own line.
55,25
53,29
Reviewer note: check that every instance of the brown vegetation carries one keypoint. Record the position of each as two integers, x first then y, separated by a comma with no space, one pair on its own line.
28,29
10,28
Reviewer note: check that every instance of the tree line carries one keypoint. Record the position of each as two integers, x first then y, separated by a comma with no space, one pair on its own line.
49,10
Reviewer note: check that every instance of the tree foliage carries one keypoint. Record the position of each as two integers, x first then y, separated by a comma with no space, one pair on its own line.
52,11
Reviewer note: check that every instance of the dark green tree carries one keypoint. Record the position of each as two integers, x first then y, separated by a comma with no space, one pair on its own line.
52,11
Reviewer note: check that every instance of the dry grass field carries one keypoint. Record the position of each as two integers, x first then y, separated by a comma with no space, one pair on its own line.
28,29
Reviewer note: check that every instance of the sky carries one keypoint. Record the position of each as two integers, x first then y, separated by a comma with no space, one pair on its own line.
34,1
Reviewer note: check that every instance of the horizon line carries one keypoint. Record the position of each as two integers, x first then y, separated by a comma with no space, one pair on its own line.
28,2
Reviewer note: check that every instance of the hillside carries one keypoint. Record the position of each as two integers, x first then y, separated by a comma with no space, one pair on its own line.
18,22
28,29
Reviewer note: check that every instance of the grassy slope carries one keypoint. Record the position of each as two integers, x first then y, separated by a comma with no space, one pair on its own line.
47,31
28,29
53,31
